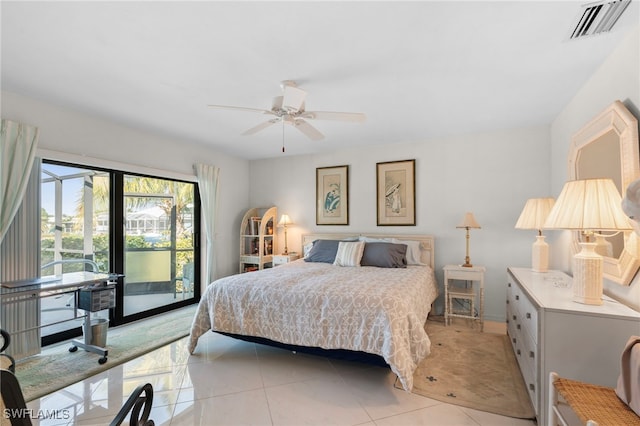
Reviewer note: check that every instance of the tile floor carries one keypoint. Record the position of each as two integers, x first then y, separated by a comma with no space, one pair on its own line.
231,382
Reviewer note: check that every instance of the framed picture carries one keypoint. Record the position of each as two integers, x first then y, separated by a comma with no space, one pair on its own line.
332,195
396,193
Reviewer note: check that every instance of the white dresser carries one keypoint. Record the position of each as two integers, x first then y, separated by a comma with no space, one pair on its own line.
551,332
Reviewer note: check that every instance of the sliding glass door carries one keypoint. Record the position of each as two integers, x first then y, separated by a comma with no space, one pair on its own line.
142,227
74,230
159,250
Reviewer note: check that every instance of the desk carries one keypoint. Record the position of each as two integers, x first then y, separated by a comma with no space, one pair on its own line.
471,275
20,302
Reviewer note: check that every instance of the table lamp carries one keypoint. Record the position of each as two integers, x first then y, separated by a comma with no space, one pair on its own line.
284,222
533,216
588,206
469,222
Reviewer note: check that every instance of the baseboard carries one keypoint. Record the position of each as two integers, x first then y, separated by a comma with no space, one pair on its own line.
494,327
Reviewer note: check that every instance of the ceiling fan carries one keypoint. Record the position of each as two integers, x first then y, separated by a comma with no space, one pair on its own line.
289,109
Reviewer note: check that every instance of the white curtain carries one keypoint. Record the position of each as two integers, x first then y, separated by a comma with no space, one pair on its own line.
18,143
208,185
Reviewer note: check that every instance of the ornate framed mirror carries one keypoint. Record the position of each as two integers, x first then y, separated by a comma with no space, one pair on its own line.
607,146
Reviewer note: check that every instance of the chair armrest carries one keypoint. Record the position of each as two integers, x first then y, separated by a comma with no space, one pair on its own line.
14,403
136,402
6,361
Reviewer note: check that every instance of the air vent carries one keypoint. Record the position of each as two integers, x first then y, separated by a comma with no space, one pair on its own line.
598,17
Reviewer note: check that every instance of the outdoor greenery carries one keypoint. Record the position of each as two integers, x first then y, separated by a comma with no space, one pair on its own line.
184,250
142,193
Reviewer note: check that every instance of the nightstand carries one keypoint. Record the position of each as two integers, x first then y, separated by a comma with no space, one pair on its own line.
466,291
281,259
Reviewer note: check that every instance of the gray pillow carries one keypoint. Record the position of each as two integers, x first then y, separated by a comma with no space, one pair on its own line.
323,251
384,255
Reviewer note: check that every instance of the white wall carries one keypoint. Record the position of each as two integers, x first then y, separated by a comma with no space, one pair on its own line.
617,79
490,174
73,135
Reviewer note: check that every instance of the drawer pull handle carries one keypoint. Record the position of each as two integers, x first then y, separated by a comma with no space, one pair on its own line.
532,386
514,317
507,301
528,315
517,297
532,354
518,352
514,340
518,326
508,284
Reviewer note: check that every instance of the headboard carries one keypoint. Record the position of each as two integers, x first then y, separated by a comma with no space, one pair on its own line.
427,247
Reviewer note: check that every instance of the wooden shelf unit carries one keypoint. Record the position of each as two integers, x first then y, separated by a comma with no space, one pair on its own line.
257,239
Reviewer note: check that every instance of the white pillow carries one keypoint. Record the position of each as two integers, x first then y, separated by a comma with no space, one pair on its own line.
414,254
349,253
307,248
375,240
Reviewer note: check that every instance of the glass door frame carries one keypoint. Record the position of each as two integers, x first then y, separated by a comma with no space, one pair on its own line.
118,244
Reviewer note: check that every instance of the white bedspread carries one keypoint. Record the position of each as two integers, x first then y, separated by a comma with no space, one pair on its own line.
375,310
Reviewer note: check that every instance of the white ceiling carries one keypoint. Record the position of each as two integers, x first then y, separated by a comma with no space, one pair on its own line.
418,70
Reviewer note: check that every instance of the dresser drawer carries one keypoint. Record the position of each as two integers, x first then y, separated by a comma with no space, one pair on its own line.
522,328
524,309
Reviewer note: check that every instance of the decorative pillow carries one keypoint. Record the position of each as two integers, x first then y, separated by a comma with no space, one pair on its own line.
414,254
323,251
384,255
349,253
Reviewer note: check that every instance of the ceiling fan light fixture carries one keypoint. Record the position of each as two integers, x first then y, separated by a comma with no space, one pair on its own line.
293,99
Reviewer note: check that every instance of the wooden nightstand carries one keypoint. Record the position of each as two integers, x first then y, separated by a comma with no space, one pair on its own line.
467,292
281,259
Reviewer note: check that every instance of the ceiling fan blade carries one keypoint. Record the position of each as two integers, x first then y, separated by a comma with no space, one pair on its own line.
237,108
356,117
306,128
293,98
261,126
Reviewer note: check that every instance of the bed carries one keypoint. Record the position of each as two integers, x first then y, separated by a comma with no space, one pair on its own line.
379,310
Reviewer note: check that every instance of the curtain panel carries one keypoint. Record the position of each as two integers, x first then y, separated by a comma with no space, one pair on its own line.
208,186
18,143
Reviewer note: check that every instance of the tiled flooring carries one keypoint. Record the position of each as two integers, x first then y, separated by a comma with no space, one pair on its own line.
231,382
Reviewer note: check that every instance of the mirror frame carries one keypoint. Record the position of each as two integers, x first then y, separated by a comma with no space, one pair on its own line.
618,118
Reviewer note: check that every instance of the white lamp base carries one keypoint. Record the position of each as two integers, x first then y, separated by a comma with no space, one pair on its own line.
603,246
540,255
587,275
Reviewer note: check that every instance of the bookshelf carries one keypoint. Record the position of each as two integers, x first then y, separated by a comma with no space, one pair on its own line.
257,239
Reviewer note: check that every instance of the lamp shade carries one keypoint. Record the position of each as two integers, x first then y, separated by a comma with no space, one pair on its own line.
588,205
535,213
533,216
285,220
469,222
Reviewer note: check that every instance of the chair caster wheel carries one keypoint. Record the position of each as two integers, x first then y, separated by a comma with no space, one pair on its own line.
102,360
73,348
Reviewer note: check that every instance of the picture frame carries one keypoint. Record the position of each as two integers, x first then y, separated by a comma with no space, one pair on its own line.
396,193
332,195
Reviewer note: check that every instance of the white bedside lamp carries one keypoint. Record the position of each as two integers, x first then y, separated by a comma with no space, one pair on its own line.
284,222
533,216
588,205
469,222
